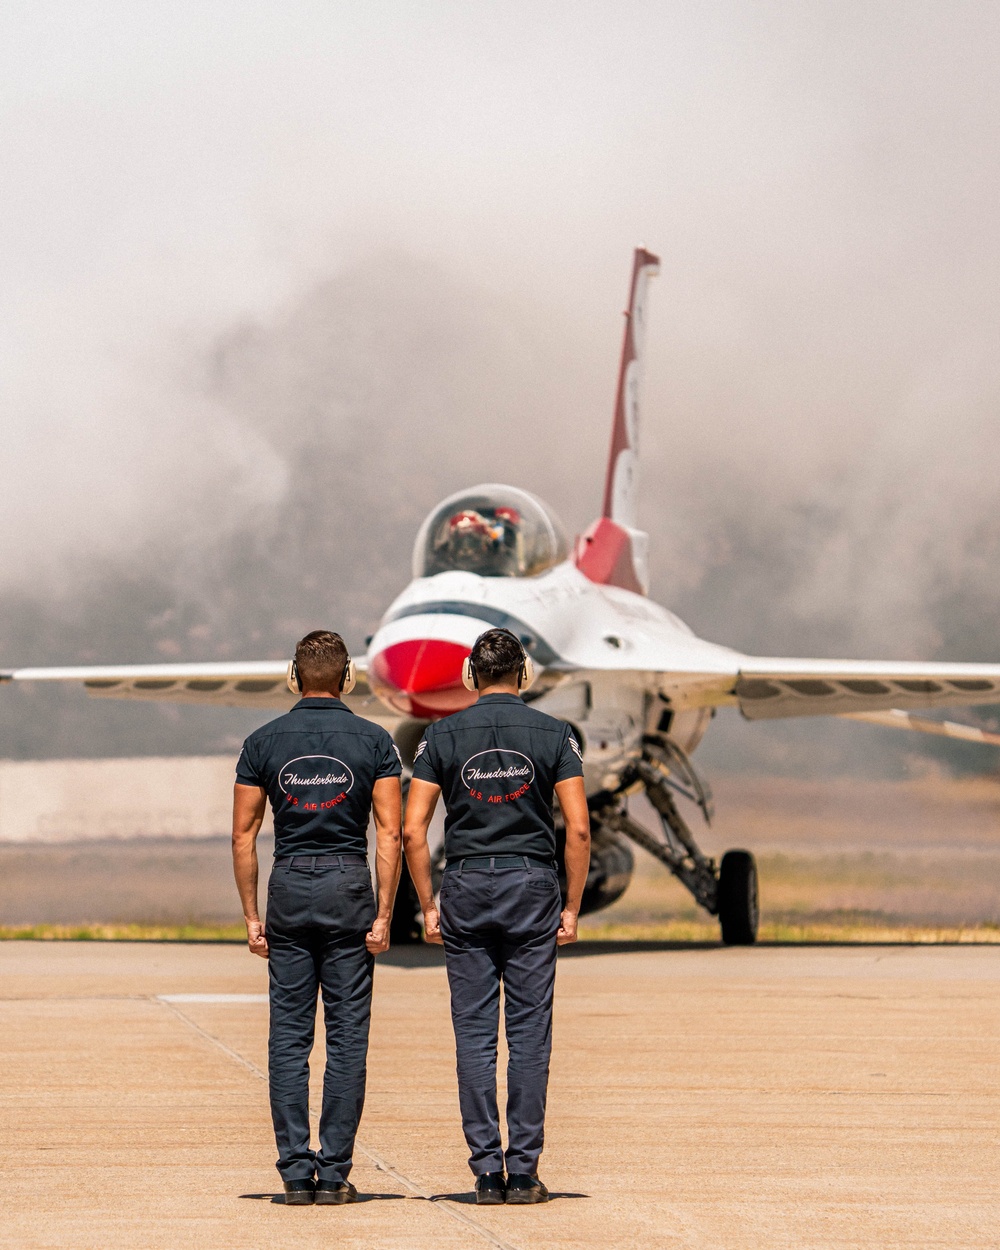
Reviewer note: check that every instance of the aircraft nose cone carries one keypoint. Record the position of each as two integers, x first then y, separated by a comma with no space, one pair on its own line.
421,677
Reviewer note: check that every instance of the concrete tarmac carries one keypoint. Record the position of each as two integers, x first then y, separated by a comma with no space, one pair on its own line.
705,1098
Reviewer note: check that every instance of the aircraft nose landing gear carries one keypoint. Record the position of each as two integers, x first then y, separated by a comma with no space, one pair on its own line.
728,890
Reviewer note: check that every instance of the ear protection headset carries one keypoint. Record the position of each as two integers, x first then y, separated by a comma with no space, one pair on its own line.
347,682
469,679
525,675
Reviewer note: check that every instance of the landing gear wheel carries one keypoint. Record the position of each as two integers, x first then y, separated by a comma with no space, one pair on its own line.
738,910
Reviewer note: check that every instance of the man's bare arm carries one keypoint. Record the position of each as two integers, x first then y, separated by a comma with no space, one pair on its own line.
387,811
420,804
249,805
572,797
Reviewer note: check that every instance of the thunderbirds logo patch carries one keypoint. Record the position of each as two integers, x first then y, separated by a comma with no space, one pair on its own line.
498,776
314,783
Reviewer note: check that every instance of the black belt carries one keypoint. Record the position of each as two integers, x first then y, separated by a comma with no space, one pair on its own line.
500,861
321,861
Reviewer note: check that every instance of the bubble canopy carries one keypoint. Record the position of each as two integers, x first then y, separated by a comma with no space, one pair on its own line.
492,530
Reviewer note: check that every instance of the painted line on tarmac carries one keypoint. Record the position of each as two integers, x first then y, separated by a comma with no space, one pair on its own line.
444,1205
209,1037
212,998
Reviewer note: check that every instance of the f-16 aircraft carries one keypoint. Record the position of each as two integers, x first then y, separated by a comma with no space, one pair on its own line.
639,688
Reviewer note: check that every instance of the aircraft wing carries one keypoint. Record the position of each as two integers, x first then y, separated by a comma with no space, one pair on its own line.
690,673
767,689
230,683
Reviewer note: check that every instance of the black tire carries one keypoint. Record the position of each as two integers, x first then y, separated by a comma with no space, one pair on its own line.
738,908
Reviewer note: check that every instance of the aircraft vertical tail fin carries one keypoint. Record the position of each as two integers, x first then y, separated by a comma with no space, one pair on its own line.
613,550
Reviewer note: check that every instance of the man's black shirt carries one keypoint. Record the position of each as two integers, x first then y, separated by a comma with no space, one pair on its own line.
497,764
318,764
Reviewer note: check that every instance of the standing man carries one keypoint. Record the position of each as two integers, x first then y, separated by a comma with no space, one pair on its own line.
498,764
325,771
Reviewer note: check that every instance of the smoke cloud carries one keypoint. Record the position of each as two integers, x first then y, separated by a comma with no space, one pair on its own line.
280,280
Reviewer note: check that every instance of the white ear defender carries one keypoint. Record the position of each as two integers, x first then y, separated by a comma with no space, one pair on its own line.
292,678
525,677
469,679
347,682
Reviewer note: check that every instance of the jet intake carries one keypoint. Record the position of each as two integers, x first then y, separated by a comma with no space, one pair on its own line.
421,677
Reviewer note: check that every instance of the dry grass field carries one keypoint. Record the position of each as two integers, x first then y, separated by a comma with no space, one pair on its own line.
838,858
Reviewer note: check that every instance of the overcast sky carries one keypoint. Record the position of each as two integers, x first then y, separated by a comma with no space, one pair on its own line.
820,428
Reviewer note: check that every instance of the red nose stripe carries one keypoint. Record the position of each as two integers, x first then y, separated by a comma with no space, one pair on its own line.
422,676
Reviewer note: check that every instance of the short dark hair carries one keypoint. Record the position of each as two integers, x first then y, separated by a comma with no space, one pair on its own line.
321,658
497,654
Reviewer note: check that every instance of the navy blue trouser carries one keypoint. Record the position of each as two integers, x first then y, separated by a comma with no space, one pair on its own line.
317,918
500,925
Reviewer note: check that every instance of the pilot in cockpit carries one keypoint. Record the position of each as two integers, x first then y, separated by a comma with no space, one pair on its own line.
492,531
486,545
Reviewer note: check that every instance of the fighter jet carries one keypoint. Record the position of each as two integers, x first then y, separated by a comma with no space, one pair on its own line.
638,686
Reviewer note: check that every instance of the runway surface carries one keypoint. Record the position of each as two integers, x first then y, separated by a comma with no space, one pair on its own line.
705,1098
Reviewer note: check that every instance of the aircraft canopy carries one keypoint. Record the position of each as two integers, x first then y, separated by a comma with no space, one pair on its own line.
492,530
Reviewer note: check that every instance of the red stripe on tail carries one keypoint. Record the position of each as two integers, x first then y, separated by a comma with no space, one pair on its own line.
612,551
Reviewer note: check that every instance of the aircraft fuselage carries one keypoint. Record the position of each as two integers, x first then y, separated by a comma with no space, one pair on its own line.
602,650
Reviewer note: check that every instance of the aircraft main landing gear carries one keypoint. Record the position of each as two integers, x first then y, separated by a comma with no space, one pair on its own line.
406,926
728,890
737,898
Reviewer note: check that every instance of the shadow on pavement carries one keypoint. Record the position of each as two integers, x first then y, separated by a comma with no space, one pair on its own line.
581,950
859,944
421,956
624,946
279,1199
468,1198
418,955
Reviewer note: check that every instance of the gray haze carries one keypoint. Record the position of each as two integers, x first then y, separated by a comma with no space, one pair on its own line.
277,277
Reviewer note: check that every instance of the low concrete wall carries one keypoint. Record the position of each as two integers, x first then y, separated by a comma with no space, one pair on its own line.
146,797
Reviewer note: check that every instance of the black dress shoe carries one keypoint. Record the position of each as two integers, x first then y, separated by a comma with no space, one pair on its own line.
335,1193
525,1189
490,1190
300,1193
